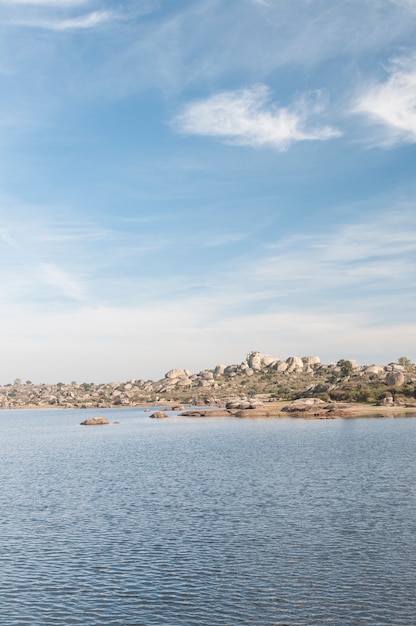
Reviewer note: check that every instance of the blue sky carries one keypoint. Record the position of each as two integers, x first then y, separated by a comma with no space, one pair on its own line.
184,182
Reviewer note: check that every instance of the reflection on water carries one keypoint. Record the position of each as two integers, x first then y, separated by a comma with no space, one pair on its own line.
206,522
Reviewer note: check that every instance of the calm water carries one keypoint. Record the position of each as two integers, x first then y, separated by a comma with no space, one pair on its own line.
206,521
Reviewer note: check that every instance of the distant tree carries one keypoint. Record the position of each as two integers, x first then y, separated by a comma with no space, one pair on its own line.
345,367
405,362
29,382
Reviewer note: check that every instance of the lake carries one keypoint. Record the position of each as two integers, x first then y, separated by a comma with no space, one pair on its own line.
206,522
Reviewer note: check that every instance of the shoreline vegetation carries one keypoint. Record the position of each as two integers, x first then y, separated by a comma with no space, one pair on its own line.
261,386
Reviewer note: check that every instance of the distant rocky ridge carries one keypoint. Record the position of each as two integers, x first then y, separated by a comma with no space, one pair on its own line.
259,378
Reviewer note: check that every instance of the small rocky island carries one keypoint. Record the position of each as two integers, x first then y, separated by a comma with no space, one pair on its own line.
253,385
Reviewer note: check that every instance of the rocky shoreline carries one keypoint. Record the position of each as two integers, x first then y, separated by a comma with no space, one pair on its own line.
298,409
260,384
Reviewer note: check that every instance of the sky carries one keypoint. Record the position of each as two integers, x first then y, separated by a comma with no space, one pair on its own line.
184,182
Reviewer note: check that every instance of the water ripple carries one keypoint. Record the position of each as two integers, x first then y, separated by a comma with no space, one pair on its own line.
207,523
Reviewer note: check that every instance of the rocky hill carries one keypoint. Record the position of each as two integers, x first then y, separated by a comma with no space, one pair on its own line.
260,377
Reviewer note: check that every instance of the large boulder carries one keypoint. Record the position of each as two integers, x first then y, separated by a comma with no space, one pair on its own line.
311,361
257,360
178,373
280,366
375,371
206,375
395,378
354,364
294,364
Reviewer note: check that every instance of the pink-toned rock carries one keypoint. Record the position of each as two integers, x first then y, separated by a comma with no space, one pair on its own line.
159,415
95,421
206,413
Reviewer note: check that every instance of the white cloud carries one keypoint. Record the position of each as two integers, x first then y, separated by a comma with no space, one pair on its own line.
247,117
91,20
392,104
62,281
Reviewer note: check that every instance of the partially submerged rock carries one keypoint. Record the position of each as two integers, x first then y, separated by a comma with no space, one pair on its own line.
260,412
159,415
315,408
239,404
206,413
95,421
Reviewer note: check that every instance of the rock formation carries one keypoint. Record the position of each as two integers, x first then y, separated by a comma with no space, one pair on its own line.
258,378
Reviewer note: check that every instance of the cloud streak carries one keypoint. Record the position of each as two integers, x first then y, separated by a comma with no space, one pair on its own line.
91,20
247,117
341,273
62,281
45,3
392,104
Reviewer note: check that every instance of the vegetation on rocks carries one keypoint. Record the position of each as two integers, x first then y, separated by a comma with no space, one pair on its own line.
259,378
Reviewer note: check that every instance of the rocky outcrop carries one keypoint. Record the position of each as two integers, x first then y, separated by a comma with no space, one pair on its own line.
258,378
294,364
257,360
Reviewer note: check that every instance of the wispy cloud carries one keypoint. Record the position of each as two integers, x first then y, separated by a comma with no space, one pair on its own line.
347,291
361,265
62,281
392,104
409,4
91,20
247,117
223,239
45,3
